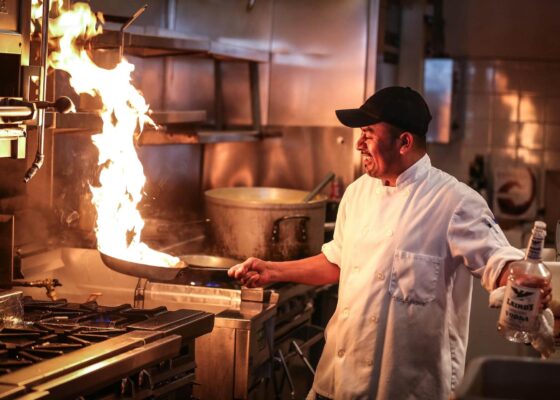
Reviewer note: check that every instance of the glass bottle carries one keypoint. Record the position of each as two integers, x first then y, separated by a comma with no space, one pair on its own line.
518,317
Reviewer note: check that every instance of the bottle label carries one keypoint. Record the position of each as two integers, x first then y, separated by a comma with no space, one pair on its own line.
535,248
520,308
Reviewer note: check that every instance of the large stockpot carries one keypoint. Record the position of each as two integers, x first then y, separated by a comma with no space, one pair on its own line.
268,223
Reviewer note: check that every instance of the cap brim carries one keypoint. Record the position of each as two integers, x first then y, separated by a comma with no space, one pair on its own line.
355,118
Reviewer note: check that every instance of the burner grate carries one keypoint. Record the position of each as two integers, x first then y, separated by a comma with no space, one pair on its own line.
54,328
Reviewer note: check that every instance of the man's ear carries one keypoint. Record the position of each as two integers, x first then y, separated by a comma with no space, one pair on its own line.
407,142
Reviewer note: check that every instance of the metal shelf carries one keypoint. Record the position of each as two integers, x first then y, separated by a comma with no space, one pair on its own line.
163,137
90,121
229,136
229,52
150,42
12,142
178,126
157,42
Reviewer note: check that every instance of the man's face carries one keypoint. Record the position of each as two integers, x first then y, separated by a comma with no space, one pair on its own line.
379,146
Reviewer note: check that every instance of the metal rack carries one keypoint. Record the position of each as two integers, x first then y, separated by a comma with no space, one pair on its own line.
179,127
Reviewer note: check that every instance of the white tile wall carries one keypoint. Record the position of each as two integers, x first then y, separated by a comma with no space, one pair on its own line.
476,133
478,106
552,137
505,106
531,108
552,110
504,133
511,116
552,160
478,76
531,136
505,77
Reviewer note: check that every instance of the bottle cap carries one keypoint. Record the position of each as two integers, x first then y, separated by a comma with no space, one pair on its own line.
540,225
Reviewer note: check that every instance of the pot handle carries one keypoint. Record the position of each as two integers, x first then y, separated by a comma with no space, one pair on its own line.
302,234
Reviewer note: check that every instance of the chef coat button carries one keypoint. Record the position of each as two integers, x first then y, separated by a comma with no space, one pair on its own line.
373,318
380,276
369,363
341,353
345,313
389,232
356,268
378,190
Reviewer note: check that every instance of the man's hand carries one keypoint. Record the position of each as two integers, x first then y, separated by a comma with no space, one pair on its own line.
546,296
545,288
253,272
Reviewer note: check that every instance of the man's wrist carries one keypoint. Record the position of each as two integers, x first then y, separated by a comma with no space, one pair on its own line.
273,271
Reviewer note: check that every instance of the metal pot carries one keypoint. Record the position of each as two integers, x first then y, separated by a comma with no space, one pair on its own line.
268,223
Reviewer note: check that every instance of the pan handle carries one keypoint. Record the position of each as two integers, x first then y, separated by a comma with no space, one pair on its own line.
302,232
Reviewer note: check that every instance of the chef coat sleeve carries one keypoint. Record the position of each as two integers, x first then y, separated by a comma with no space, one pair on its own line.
478,242
333,249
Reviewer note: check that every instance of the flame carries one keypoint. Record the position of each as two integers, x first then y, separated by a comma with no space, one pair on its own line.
37,11
124,113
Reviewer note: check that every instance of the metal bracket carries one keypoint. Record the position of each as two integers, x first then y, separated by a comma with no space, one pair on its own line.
127,388
126,25
139,293
145,380
302,232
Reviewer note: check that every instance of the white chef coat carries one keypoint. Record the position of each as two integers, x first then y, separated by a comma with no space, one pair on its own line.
406,255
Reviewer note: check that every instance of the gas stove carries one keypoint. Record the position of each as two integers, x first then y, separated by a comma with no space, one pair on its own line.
69,350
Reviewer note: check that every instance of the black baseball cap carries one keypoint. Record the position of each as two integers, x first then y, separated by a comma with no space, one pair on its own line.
402,107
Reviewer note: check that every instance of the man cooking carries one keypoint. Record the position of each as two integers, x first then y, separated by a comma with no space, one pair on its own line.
408,237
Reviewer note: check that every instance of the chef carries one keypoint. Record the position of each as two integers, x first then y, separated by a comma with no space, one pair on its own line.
408,239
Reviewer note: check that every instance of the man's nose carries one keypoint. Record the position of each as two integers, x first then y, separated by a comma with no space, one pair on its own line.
360,142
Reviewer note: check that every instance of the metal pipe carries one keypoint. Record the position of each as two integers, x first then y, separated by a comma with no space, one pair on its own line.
218,96
48,284
16,112
19,111
255,96
40,155
126,25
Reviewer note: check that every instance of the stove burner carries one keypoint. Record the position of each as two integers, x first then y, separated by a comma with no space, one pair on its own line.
53,328
212,284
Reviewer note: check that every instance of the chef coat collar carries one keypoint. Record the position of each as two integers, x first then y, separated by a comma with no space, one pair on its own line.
415,171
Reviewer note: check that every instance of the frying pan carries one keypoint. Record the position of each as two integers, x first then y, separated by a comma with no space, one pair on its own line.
191,264
150,272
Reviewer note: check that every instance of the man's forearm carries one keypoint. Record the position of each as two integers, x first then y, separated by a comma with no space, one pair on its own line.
316,270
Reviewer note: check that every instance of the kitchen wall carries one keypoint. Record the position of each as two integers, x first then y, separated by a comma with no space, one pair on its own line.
509,59
510,117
